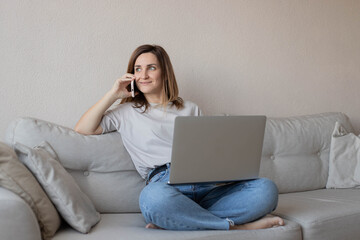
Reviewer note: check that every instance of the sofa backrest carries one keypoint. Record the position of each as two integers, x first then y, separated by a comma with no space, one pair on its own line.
295,156
296,150
100,164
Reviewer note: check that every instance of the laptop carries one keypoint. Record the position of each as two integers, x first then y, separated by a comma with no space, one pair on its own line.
208,149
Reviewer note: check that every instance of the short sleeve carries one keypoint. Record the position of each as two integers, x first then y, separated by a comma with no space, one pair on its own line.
109,122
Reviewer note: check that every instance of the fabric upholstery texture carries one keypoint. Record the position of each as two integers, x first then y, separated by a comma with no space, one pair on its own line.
132,227
17,219
344,161
73,205
15,177
296,150
95,161
323,214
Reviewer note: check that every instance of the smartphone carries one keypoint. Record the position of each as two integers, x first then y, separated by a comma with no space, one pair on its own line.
133,88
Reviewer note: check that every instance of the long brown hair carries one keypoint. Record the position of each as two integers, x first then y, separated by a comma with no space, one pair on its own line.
170,91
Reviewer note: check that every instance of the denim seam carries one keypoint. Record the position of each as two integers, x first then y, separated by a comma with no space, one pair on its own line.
166,219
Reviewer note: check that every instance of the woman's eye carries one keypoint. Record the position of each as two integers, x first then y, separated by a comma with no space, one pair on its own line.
137,69
152,68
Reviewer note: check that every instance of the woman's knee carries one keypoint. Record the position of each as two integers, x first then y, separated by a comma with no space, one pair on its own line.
269,193
153,198
269,185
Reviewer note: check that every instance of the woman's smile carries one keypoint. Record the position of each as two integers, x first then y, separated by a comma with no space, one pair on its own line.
145,83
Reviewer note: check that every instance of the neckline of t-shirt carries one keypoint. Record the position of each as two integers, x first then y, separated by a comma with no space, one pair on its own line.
155,104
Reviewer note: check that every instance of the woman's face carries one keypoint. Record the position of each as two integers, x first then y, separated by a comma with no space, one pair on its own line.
148,76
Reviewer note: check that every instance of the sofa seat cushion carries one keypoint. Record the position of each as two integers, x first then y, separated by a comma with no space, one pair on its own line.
132,226
323,214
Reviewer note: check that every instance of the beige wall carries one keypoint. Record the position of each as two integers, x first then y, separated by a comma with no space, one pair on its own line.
273,57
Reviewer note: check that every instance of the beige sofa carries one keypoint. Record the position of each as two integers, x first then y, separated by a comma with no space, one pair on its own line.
295,156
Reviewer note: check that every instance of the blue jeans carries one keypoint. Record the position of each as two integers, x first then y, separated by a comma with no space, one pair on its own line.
206,206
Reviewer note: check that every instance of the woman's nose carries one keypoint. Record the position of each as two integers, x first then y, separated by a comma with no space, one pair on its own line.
144,74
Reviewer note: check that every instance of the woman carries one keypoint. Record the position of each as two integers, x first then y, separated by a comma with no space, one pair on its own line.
146,124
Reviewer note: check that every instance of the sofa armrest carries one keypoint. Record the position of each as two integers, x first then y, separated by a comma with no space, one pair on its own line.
17,220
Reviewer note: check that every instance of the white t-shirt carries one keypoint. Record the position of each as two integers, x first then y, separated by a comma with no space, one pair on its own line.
146,136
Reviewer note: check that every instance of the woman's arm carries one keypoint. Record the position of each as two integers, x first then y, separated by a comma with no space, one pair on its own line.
89,123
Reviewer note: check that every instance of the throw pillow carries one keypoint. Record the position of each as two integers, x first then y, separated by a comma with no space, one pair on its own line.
15,177
344,161
73,205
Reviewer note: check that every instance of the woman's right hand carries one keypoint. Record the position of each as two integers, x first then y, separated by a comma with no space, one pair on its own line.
119,89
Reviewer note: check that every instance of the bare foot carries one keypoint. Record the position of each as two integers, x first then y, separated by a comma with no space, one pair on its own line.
152,226
265,222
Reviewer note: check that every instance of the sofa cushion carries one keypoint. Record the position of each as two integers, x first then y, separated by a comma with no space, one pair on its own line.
99,163
73,205
323,214
344,163
132,226
15,177
296,150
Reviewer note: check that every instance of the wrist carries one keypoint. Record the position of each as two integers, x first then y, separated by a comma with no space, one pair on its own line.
111,97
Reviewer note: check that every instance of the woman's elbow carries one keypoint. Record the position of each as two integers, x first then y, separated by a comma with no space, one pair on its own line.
98,131
78,130
81,131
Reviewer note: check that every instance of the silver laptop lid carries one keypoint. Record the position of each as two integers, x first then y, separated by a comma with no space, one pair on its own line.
216,148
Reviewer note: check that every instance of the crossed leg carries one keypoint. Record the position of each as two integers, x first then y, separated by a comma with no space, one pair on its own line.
244,203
